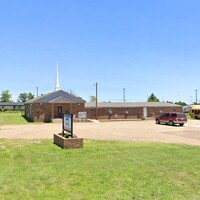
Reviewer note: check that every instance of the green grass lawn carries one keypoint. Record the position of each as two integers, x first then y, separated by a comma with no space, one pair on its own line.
38,169
12,118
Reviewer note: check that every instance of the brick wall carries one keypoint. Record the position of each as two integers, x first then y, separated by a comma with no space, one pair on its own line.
68,143
43,111
128,113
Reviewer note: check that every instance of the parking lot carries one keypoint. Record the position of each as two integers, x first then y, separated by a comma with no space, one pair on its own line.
144,130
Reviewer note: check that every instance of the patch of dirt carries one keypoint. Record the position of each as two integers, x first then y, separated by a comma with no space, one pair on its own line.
144,130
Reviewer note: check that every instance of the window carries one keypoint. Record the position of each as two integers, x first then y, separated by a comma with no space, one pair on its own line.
109,111
181,115
174,115
196,112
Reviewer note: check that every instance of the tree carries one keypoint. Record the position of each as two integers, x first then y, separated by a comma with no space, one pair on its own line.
152,98
81,98
5,96
93,98
30,96
169,101
181,103
23,97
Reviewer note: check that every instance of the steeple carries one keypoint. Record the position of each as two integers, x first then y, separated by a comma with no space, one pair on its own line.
57,79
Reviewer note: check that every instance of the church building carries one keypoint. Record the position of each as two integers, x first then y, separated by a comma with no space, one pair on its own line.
47,107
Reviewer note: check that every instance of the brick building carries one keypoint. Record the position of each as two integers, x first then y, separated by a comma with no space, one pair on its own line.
11,106
49,106
129,110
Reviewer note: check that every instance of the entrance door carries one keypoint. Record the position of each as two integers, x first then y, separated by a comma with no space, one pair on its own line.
144,112
60,113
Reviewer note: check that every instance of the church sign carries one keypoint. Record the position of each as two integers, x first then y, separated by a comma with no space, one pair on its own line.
68,123
66,139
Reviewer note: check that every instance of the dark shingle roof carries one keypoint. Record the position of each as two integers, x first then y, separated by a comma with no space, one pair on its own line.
11,104
59,96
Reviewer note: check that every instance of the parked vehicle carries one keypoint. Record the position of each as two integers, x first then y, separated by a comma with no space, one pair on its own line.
195,111
171,118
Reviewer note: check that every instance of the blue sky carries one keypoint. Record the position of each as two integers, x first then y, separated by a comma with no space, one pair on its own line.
143,46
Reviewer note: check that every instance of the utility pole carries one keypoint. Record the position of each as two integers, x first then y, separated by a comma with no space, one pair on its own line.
96,100
124,95
37,91
196,95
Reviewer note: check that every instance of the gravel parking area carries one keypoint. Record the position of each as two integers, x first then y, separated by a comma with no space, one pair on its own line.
144,130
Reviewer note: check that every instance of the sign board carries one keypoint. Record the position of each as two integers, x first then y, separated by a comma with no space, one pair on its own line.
82,115
68,123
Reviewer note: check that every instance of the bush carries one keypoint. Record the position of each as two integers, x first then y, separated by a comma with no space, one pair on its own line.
6,108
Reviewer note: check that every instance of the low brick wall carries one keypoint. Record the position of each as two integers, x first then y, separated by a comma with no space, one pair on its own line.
68,143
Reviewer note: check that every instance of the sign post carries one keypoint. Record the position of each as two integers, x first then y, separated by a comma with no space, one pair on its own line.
63,140
68,123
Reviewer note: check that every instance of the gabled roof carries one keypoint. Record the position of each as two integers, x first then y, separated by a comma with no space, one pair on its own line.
59,96
129,104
